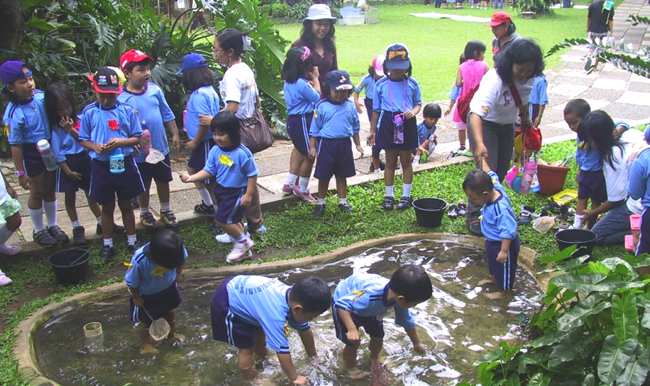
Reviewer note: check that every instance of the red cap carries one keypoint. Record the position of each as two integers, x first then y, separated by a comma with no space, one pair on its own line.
132,56
499,18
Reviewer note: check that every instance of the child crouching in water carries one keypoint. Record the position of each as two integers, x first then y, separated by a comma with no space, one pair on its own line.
234,168
151,281
335,121
498,225
427,140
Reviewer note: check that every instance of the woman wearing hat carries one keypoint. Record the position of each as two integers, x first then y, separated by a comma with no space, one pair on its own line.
318,34
504,31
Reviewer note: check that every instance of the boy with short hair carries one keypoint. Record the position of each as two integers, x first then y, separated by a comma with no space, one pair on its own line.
151,281
361,300
498,225
155,115
251,312
427,140
110,130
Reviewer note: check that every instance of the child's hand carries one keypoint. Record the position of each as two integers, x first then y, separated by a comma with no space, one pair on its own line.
447,112
23,181
315,74
301,380
360,150
74,175
184,177
205,120
246,200
422,149
371,139
353,336
419,348
112,144
312,153
359,108
191,145
408,115
502,257
176,143
138,301
67,124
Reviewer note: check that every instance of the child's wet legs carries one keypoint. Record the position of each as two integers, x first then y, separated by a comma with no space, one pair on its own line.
245,363
375,346
350,356
260,345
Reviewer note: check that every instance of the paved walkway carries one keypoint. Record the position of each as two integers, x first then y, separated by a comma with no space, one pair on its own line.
623,95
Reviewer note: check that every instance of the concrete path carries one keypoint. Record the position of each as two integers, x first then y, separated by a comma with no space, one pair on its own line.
623,95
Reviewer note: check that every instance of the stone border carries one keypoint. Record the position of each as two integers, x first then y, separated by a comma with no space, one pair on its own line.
25,353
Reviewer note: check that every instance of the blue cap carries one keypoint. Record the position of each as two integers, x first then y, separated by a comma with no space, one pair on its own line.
192,61
397,57
11,70
338,80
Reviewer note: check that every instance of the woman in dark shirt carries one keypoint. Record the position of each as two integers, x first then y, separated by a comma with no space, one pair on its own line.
318,34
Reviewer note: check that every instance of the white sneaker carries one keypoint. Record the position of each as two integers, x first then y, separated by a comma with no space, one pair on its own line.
240,251
4,279
224,238
9,250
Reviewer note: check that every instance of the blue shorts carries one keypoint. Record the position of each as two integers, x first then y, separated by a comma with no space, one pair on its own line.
158,305
591,185
104,185
503,273
160,172
229,209
79,163
32,160
228,327
334,158
386,129
644,239
373,325
298,129
199,155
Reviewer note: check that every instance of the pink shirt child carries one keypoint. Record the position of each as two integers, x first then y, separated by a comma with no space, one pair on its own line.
471,73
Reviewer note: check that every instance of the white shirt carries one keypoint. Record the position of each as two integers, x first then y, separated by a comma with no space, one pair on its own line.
238,85
631,139
493,100
4,195
616,176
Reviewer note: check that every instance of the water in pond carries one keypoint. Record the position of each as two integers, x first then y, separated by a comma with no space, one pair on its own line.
458,325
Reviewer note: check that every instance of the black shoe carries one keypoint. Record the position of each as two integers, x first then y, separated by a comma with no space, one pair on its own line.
404,203
204,209
117,229
345,208
44,238
131,248
388,203
58,234
319,210
107,253
78,235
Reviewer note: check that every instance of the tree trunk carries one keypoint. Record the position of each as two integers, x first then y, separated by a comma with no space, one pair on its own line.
12,24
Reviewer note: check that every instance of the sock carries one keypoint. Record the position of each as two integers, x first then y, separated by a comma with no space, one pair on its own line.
5,233
37,219
99,220
320,201
50,212
389,191
343,200
304,184
205,196
291,179
76,224
577,221
165,207
131,239
406,190
143,211
108,242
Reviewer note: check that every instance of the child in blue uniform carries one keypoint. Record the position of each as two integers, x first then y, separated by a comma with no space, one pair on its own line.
427,140
110,130
362,300
375,72
74,163
26,121
498,226
335,121
253,312
538,100
151,280
591,180
233,167
203,101
396,102
301,92
639,188
155,115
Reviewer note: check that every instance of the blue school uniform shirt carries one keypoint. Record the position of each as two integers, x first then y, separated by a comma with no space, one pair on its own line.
203,101
231,168
333,120
153,112
424,132
146,276
395,96
589,160
368,83
263,302
27,122
100,125
64,144
300,97
498,221
364,294
639,183
538,94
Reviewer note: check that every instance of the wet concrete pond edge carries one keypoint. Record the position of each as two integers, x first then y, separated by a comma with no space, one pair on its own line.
25,352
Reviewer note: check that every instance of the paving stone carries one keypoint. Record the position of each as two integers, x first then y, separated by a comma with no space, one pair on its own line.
609,84
635,98
568,90
638,87
601,94
625,111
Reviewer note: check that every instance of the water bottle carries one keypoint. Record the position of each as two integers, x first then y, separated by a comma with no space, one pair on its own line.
47,155
530,169
116,161
145,140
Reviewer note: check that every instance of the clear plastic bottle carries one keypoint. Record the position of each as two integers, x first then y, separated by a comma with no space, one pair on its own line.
146,140
47,155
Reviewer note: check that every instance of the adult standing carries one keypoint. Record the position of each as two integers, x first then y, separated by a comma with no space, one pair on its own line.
318,34
504,32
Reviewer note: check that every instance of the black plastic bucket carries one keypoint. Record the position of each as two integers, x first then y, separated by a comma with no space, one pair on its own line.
429,211
70,265
584,239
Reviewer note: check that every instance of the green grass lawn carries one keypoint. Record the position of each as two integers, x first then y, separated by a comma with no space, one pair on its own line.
437,44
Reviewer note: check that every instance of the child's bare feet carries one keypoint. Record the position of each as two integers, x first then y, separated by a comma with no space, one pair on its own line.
176,338
379,376
497,295
148,349
485,282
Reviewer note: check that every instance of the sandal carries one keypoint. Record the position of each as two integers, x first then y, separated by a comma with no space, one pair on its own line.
452,212
462,209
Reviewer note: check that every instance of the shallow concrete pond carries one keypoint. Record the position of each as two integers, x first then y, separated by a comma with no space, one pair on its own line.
458,325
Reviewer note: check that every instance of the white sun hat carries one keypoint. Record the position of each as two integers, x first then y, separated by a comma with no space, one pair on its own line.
319,12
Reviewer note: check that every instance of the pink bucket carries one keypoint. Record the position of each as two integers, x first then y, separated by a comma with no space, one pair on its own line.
635,222
629,243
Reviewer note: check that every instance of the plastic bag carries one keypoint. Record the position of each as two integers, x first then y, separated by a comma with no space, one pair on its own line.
544,224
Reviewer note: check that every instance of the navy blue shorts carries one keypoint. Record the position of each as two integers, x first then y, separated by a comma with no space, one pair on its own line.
644,239
334,158
199,155
158,305
503,273
79,163
385,130
374,326
229,209
228,327
591,185
160,172
104,185
298,129
32,160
